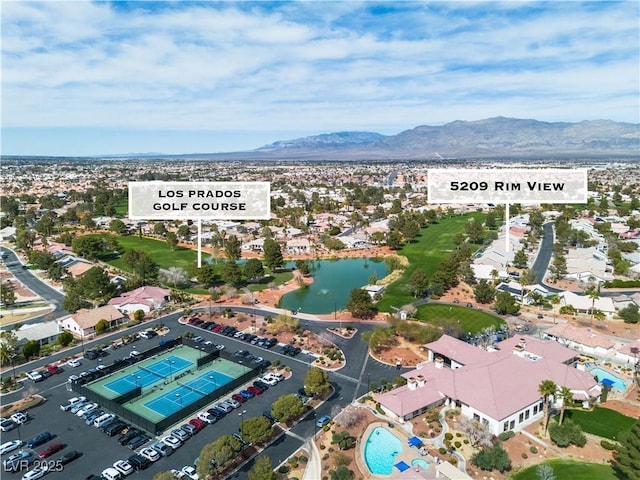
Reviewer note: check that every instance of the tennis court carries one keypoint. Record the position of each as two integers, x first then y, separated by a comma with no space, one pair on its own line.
146,375
188,392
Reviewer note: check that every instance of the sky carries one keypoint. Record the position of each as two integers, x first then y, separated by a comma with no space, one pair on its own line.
96,78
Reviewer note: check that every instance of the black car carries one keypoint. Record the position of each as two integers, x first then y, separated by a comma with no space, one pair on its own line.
38,440
138,441
216,412
267,414
261,384
114,428
124,439
90,354
68,457
139,462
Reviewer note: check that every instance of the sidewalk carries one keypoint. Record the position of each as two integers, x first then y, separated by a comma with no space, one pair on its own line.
314,465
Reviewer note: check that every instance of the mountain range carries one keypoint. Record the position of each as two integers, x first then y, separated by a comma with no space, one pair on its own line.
490,138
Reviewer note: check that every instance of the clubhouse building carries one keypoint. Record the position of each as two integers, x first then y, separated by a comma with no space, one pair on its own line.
497,386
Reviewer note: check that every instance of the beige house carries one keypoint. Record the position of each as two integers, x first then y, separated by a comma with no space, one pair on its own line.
82,323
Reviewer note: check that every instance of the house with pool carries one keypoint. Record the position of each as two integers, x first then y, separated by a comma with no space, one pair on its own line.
497,386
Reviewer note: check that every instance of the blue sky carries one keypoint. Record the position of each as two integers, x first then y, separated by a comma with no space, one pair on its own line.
92,78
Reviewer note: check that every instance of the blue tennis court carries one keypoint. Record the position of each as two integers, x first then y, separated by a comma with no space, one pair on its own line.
149,374
187,393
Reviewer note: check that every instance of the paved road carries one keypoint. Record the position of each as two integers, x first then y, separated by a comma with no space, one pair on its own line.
541,262
36,285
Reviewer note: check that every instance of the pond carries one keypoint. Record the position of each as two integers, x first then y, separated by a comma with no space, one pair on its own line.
333,280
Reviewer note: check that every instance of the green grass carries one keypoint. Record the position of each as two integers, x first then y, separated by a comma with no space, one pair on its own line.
467,319
570,470
122,208
602,422
159,251
432,245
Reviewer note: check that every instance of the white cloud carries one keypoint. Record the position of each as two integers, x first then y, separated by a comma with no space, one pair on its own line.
315,66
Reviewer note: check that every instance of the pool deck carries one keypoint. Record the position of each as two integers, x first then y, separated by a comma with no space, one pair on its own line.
406,455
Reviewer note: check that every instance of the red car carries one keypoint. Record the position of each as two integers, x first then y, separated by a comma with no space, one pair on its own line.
196,422
238,398
255,390
53,448
54,369
217,328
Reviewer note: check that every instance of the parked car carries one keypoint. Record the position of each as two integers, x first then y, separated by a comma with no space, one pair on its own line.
163,449
322,421
200,423
7,424
69,457
238,398
191,428
224,406
173,441
255,390
86,409
269,380
38,439
246,394
216,412
124,438
71,402
37,472
124,467
74,363
261,384
139,462
180,434
111,474
19,418
10,446
138,441
190,472
51,449
35,376
206,417
267,414
234,403
150,454
114,428
18,461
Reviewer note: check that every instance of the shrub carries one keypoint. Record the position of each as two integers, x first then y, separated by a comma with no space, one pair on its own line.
303,459
442,450
607,445
293,459
504,436
448,436
457,444
325,457
567,434
492,458
283,469
458,434
524,455
533,449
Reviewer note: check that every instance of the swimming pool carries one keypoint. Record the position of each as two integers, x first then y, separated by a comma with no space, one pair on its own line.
420,463
618,383
381,450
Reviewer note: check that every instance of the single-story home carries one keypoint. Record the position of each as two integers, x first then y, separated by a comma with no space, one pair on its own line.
580,339
43,333
497,386
145,298
629,353
82,323
584,304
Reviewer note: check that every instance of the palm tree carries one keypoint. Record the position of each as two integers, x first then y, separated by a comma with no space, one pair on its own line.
566,395
547,388
494,274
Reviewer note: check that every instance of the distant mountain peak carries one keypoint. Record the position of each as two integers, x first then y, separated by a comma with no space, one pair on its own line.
326,141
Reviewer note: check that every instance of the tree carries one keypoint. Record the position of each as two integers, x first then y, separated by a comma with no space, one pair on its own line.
31,349
546,389
593,292
217,455
96,286
253,268
566,395
630,313
172,240
262,469
316,382
25,239
506,304
256,429
474,230
360,304
159,228
490,220
8,346
478,433
303,267
520,259
626,459
174,275
65,338
206,274
287,407
102,326
484,292
343,440
89,246
393,240
342,473
56,272
138,315
118,226
492,458
7,293
545,472
418,282
272,254
233,248
163,476
231,273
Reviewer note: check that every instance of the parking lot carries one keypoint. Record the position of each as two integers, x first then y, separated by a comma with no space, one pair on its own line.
100,451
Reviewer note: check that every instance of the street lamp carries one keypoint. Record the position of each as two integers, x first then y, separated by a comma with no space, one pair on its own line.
368,382
241,415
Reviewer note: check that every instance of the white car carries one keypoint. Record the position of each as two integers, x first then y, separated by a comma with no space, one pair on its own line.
206,417
74,362
72,401
19,418
86,409
190,472
111,474
6,425
124,467
150,454
177,474
172,441
269,380
10,446
37,472
35,376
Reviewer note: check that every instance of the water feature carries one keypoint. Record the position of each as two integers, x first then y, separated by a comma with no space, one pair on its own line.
618,383
333,280
381,450
419,463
